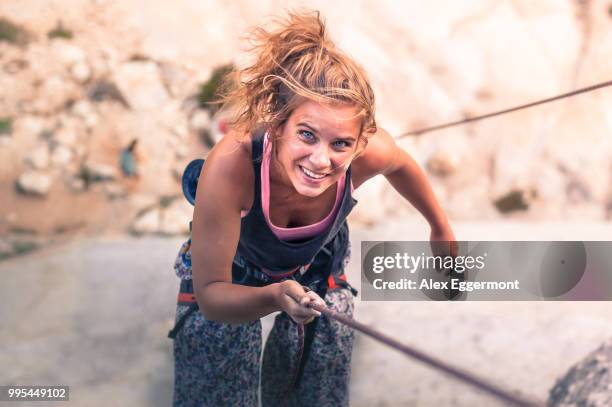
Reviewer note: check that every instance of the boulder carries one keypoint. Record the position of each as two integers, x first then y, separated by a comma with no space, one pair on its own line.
34,183
175,78
39,157
54,93
84,110
61,156
176,217
66,135
147,223
588,383
28,126
100,172
139,82
80,72
67,53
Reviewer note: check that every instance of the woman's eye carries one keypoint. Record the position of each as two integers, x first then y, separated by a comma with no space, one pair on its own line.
341,144
306,135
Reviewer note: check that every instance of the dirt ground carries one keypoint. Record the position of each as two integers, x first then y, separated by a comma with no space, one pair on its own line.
94,314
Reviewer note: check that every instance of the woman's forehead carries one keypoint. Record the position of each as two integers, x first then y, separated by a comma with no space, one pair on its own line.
322,116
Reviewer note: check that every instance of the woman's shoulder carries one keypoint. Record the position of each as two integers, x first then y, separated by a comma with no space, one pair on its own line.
229,165
377,157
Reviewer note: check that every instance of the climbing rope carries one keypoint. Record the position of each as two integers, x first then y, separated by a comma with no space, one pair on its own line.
418,132
460,374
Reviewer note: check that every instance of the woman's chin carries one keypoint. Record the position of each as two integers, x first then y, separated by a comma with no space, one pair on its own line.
311,190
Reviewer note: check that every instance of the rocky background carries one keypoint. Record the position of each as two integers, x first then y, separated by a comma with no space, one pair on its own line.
81,80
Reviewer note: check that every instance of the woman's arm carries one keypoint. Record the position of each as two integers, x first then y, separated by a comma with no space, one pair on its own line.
383,156
224,188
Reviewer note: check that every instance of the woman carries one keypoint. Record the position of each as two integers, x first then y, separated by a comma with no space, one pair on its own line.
269,229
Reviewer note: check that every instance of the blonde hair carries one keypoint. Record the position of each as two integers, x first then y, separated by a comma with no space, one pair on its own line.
294,63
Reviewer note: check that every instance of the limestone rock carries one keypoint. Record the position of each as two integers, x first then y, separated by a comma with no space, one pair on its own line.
588,383
175,218
139,82
76,184
66,136
61,156
100,172
28,126
84,110
34,183
54,93
147,223
443,162
39,157
143,201
114,191
181,151
81,72
200,120
175,78
68,54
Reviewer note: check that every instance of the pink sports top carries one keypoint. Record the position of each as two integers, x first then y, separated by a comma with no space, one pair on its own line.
297,233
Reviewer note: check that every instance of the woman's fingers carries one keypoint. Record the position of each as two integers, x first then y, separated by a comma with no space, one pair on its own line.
302,317
316,299
298,301
295,291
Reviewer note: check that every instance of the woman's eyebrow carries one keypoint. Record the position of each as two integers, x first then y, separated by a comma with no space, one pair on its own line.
310,126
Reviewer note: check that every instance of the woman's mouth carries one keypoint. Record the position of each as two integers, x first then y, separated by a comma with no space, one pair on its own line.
315,176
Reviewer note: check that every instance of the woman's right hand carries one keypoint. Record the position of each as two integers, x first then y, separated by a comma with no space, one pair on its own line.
293,299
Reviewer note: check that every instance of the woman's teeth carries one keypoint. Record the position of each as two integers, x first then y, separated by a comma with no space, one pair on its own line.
312,174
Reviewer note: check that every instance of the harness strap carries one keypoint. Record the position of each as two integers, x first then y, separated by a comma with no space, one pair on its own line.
308,337
185,297
179,324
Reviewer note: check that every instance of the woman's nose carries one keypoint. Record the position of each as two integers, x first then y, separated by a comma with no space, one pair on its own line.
320,158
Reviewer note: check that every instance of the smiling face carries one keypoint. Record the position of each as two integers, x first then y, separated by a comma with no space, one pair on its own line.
316,146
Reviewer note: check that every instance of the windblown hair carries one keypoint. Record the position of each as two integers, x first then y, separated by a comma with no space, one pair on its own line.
294,63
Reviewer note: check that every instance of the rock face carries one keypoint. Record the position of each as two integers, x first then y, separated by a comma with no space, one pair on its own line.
101,172
34,183
74,102
147,223
39,157
588,383
141,85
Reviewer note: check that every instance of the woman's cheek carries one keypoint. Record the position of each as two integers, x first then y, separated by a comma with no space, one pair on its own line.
344,162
